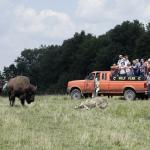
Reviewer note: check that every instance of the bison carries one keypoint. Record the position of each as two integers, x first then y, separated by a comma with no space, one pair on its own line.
21,87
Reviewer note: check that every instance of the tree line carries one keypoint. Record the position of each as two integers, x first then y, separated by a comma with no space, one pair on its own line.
51,67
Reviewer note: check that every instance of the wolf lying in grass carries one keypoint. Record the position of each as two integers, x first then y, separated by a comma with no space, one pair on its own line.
98,102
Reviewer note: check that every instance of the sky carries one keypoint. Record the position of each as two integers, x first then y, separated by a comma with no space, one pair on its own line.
31,23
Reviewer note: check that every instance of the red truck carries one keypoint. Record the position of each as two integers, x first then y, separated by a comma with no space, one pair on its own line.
129,87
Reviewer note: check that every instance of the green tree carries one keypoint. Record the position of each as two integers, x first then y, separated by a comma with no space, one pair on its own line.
143,47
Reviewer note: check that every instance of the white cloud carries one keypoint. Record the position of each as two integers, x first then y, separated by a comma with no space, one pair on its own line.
99,16
147,12
29,28
115,10
48,22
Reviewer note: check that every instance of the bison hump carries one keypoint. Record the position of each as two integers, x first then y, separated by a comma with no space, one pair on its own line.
19,83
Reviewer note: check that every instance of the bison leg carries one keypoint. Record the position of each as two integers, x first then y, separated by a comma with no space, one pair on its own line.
12,100
22,99
9,94
22,102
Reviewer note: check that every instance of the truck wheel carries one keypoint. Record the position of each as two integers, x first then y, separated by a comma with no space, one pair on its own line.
129,94
75,94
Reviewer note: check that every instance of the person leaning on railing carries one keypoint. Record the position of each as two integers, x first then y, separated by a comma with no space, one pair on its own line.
122,70
129,70
114,70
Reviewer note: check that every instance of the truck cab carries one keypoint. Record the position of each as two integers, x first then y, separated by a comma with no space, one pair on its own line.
79,88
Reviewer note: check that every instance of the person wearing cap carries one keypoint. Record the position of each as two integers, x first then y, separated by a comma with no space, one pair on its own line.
121,59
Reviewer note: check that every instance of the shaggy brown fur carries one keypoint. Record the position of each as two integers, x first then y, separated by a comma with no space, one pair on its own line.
99,102
20,87
19,83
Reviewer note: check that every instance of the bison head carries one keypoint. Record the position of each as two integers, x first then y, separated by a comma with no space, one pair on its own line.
30,93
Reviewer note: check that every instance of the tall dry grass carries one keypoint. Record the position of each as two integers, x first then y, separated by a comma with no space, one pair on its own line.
52,123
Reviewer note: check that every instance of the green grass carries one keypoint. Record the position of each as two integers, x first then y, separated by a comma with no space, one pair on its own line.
52,123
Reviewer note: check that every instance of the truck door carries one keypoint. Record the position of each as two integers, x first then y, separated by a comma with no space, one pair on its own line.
90,83
104,82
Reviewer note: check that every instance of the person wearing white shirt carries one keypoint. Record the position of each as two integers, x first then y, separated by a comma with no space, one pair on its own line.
126,60
121,59
122,69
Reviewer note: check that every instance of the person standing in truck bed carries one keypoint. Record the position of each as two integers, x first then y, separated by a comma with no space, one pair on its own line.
126,60
122,70
121,59
142,68
129,70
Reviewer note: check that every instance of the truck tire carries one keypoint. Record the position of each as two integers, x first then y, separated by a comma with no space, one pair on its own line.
129,94
75,94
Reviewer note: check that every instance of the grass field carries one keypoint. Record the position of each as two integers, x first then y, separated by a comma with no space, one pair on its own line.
52,123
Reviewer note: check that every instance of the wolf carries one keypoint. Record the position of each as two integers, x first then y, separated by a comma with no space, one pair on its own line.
98,102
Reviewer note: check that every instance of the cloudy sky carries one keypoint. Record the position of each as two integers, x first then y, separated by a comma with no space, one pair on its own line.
30,23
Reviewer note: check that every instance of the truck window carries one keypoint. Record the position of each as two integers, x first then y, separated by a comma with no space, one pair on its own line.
90,76
104,76
97,76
